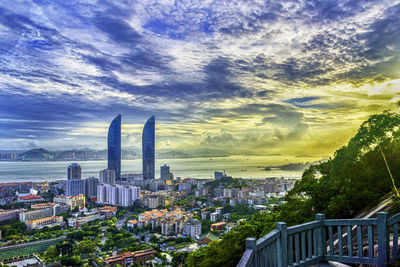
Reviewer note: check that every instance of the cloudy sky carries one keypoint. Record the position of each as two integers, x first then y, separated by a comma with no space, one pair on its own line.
263,77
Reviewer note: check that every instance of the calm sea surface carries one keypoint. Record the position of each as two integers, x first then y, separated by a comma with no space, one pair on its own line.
235,166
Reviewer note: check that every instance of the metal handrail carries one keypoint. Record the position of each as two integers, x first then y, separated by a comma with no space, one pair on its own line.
340,240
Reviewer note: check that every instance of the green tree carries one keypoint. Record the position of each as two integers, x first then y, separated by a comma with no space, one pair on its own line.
52,252
86,246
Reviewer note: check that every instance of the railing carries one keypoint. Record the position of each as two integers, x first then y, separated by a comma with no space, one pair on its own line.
326,240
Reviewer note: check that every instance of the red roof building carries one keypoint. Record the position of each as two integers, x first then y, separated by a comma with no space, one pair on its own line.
30,198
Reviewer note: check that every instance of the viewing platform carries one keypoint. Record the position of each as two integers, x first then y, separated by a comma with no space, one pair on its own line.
372,241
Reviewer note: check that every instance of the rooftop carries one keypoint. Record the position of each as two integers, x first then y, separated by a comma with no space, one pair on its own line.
30,197
42,219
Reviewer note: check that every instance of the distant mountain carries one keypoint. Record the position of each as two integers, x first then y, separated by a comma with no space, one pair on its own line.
41,154
36,155
194,153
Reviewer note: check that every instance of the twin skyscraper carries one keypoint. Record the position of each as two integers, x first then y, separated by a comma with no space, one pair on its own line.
148,148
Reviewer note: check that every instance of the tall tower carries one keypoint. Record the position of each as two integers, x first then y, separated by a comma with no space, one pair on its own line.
114,147
148,148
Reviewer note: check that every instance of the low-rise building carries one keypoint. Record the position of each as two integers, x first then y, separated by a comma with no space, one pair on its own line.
131,223
9,214
29,215
108,211
43,205
72,201
30,198
48,221
218,226
30,261
78,221
129,258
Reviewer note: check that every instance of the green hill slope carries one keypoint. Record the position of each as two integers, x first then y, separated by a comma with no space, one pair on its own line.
354,178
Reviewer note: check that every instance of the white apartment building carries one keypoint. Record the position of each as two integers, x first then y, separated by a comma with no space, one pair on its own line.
192,228
117,194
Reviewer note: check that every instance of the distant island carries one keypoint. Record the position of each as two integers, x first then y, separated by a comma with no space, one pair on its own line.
41,154
292,166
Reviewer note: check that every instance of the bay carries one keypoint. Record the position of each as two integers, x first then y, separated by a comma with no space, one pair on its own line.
200,168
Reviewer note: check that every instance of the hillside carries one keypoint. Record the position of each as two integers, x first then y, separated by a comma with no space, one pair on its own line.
39,154
356,177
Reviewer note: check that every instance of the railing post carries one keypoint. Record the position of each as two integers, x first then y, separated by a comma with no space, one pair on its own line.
251,243
282,245
382,239
321,244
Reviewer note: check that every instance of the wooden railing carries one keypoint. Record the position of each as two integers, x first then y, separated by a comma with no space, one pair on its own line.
356,241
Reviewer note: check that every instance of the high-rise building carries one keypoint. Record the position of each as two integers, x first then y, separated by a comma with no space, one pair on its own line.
74,171
102,193
218,175
107,176
114,147
148,148
192,228
164,172
117,194
75,187
91,187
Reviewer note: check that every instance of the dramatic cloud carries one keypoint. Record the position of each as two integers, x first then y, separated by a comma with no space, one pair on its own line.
259,77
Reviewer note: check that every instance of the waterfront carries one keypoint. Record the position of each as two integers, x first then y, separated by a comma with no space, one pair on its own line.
235,166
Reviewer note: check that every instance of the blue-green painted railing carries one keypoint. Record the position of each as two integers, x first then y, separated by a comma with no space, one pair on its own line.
326,240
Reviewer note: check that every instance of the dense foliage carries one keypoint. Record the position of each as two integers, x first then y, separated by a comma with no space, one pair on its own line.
355,178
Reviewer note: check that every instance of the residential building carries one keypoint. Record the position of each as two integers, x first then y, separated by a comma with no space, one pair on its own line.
107,176
91,187
72,201
164,172
9,214
214,216
29,215
227,192
131,223
114,147
74,171
192,228
148,148
9,189
117,194
75,187
205,215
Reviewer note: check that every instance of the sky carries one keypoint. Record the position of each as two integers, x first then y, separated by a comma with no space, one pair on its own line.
292,78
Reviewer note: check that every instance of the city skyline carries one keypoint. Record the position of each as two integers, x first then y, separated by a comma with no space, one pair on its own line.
287,78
